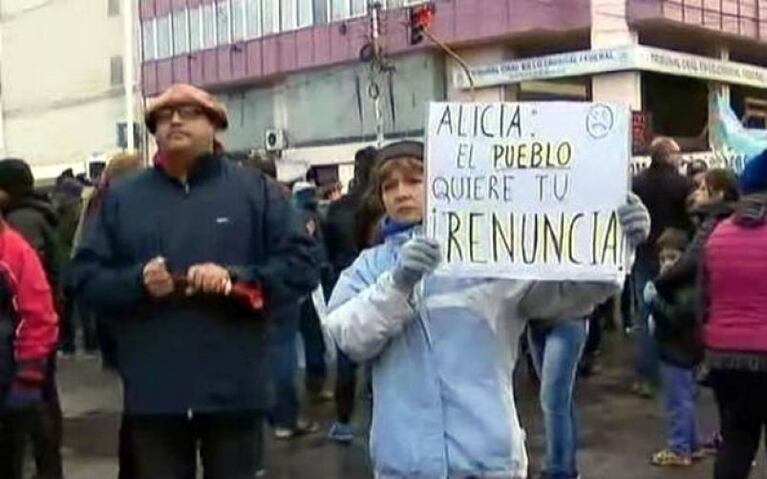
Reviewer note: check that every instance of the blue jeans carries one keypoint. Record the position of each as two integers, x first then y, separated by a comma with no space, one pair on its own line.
648,361
679,388
284,359
556,352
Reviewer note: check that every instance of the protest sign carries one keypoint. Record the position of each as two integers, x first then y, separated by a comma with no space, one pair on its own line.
528,190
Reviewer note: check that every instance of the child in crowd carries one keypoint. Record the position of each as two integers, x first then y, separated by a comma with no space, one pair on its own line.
441,347
677,334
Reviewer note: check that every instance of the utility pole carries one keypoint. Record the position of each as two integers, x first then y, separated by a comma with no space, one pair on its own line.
129,79
376,66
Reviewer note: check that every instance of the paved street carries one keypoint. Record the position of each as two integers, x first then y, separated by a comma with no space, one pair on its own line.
618,431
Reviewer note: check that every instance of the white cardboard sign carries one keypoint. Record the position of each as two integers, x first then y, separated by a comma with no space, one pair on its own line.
528,190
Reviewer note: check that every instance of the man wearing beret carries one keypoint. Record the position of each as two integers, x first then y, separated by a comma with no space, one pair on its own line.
163,257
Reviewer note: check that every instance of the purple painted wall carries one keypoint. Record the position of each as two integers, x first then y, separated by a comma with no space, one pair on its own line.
745,18
457,22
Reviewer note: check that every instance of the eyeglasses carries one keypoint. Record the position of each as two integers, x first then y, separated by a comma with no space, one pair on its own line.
185,112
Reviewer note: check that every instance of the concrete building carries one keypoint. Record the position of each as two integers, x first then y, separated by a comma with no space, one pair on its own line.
292,68
63,81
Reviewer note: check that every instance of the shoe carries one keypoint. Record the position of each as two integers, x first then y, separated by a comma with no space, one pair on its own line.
712,445
303,428
341,433
261,473
65,355
322,397
283,433
698,455
643,389
668,458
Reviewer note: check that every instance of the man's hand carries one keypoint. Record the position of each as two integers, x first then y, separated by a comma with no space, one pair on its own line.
157,280
208,278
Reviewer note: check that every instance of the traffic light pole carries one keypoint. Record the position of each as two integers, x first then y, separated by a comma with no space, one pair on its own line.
374,89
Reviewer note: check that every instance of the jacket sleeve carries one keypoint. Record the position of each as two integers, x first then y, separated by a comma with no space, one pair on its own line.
684,272
100,277
291,269
37,329
42,236
562,300
365,312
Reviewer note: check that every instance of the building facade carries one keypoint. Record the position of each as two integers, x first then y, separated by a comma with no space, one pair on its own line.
62,75
297,68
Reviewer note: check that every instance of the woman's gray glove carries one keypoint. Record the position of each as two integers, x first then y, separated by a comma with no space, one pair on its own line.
419,257
635,220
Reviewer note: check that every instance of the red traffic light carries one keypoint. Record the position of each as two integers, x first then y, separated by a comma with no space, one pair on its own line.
421,18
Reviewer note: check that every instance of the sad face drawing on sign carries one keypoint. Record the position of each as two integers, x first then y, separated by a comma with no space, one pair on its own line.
441,346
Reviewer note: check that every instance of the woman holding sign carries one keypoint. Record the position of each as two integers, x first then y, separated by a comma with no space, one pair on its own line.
442,348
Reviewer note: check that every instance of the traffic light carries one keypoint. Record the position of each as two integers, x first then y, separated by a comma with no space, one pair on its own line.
420,19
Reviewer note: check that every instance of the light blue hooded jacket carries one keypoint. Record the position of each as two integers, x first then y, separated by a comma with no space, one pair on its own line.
442,360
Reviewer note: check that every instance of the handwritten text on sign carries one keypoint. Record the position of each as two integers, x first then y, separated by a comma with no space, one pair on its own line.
528,190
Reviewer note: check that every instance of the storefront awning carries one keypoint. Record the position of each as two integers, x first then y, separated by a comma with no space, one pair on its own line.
629,58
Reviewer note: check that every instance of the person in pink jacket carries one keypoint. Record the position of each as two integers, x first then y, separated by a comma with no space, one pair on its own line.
28,335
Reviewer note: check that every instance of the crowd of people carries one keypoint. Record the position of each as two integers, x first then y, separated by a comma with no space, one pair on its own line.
193,277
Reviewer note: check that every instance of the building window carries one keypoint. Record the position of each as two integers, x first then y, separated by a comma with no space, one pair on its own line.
238,20
288,17
224,23
339,9
195,29
358,7
342,9
209,26
113,8
116,70
148,38
270,20
164,45
180,32
305,13
253,18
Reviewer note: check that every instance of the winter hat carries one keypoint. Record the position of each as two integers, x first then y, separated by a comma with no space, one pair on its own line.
400,149
753,179
183,94
16,178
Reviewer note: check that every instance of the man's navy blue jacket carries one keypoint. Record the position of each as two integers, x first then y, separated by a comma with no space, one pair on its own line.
200,354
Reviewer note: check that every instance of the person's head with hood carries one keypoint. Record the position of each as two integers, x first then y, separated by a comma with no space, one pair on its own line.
16,181
398,182
753,179
664,153
184,121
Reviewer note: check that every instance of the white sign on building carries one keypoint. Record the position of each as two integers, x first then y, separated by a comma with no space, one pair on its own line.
635,57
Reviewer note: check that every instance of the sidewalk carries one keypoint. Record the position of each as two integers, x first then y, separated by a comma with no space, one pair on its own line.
618,431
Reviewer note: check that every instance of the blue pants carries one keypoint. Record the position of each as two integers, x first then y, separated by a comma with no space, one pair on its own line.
679,389
556,352
283,357
648,362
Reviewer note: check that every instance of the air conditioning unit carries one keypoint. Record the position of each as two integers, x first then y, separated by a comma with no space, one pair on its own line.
274,139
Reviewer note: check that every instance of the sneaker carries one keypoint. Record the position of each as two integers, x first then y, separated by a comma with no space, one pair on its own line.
643,389
341,433
283,433
712,445
261,473
322,397
698,455
668,458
